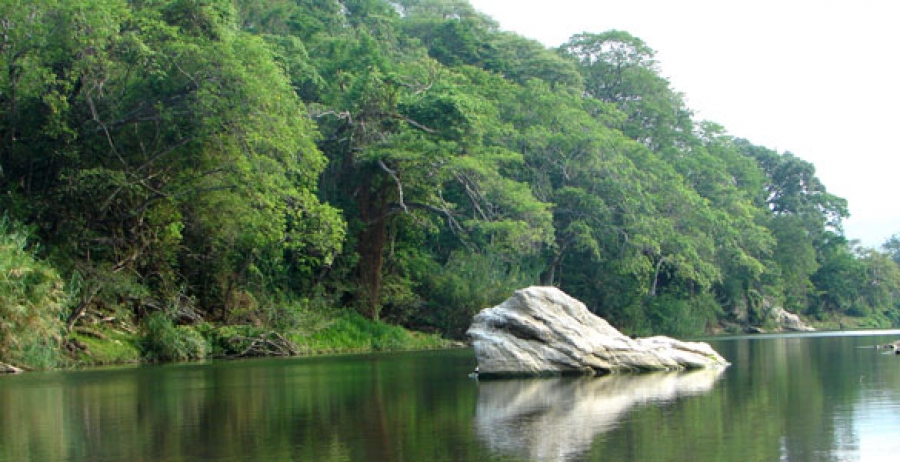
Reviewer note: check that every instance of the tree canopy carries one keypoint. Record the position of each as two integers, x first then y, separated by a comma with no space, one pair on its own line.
409,160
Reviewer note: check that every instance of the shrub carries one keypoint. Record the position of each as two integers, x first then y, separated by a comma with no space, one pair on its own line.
468,283
671,315
164,341
354,332
32,302
109,348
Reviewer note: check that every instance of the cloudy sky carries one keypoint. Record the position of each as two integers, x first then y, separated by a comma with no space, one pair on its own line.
820,79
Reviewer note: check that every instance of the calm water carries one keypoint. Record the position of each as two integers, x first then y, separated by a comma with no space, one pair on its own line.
823,397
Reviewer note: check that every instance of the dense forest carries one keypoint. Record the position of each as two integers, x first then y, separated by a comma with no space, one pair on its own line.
203,177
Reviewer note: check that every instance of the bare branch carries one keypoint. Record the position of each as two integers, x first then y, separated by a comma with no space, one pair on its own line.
393,175
448,214
96,117
409,121
343,115
163,152
475,196
79,310
416,86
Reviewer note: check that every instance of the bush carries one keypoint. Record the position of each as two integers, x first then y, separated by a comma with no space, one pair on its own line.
354,332
110,347
32,302
164,341
469,283
671,315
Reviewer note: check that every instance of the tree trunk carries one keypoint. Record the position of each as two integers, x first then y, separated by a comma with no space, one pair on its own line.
79,310
656,276
549,278
371,240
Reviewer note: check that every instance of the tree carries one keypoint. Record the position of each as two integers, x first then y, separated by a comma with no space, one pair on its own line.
792,188
837,278
621,69
879,286
179,147
803,217
892,248
405,139
204,158
732,183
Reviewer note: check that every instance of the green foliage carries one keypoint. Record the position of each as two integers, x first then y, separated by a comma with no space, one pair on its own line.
175,135
680,317
111,348
265,163
32,301
352,332
621,69
468,283
162,340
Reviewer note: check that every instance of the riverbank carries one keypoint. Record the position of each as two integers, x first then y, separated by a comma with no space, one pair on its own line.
161,341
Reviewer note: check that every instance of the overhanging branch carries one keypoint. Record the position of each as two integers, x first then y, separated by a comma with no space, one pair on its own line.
393,175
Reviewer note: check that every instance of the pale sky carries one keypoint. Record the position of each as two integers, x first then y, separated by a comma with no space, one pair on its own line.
820,79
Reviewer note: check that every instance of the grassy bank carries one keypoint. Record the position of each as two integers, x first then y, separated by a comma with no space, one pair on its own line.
843,322
38,330
351,332
159,340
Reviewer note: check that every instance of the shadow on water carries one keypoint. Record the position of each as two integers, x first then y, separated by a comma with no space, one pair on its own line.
515,417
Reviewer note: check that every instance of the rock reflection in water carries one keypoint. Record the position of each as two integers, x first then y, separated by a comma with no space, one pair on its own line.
558,418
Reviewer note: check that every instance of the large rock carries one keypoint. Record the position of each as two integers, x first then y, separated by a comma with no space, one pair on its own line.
789,321
543,331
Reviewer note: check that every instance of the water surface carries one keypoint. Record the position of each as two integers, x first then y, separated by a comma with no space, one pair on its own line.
819,397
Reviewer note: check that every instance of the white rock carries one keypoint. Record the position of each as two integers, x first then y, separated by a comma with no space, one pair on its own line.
543,331
790,321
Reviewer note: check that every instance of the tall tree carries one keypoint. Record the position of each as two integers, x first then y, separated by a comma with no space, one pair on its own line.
621,69
181,152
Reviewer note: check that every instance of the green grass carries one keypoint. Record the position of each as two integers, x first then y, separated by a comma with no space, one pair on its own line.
160,340
164,341
351,332
843,322
113,348
32,300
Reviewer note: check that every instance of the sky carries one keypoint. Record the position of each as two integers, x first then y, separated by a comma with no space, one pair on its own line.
819,79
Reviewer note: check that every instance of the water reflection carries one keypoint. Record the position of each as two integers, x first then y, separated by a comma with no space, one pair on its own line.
559,418
796,398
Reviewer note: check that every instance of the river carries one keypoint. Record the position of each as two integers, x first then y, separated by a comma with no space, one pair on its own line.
806,397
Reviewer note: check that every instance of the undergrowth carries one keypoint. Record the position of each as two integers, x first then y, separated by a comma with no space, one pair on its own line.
32,300
349,332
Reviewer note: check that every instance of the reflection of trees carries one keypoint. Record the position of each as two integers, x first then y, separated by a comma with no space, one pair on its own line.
793,380
559,418
321,409
783,397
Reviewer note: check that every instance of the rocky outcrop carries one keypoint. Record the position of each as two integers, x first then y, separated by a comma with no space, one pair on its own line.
789,321
543,331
